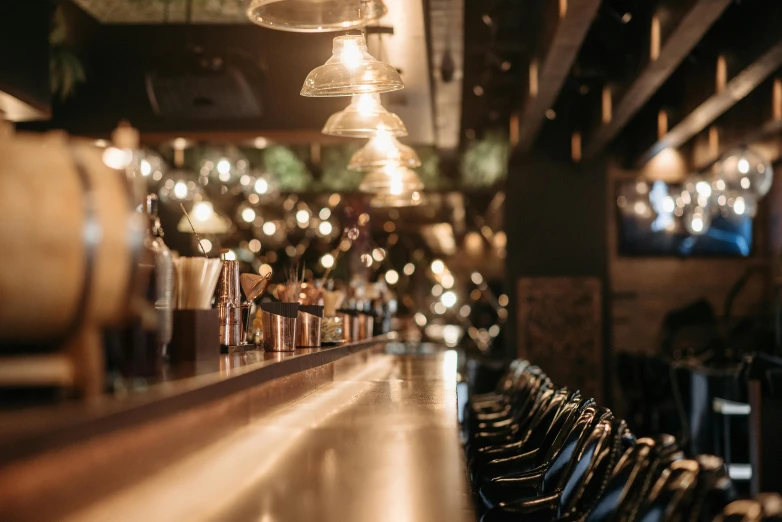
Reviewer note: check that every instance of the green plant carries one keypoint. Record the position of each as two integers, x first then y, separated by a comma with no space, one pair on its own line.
485,162
65,68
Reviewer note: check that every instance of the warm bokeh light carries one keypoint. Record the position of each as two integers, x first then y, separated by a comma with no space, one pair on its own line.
438,266
327,261
448,299
409,269
392,277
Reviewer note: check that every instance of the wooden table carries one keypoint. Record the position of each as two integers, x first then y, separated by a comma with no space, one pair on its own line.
378,442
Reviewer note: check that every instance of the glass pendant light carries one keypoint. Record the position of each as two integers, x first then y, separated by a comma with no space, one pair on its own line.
393,180
312,16
412,199
381,151
351,70
363,118
746,170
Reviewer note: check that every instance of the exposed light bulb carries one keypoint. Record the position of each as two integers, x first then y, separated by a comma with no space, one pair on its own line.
261,186
269,228
203,210
145,167
223,167
739,206
248,215
180,190
327,261
351,55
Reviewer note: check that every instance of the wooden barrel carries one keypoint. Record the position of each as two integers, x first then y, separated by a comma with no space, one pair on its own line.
69,239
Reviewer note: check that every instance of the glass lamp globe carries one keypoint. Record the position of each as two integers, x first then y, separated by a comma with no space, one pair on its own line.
634,200
148,165
412,199
739,204
381,151
312,16
363,118
746,170
224,167
257,186
391,180
697,220
179,185
351,70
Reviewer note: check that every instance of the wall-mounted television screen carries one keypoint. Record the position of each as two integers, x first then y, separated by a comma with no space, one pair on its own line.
659,219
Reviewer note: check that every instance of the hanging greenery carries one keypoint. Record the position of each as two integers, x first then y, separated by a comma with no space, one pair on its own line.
485,162
65,68
336,177
289,171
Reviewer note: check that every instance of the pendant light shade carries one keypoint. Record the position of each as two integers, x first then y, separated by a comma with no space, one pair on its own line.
391,181
381,151
351,70
363,118
312,16
412,199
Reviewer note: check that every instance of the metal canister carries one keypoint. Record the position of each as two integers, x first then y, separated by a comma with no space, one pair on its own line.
279,332
347,326
307,330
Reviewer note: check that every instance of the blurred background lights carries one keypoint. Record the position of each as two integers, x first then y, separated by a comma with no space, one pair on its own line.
327,261
325,228
448,299
392,277
420,319
447,281
302,216
254,245
324,213
437,290
439,308
269,228
409,269
206,245
248,215
476,278
438,266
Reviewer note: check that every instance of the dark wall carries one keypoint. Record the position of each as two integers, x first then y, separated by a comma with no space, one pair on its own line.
556,224
24,60
117,58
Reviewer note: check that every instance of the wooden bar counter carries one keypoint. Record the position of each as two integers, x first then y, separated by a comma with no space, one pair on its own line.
367,436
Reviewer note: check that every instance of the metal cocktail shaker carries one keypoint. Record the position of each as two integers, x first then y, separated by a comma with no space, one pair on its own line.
229,305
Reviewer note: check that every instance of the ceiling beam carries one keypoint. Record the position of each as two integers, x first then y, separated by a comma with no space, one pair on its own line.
708,111
571,30
685,36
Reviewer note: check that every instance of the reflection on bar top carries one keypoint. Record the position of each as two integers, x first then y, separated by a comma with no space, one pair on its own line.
26,432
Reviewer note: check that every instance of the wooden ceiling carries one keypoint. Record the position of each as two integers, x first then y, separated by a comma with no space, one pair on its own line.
629,78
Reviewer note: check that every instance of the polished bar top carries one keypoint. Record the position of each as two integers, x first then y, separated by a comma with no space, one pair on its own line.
377,443
28,432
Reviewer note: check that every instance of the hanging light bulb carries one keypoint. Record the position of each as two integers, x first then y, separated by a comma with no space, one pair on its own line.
312,16
697,221
351,70
393,181
382,151
363,118
746,170
179,185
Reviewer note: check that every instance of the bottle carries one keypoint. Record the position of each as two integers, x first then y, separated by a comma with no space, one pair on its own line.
163,276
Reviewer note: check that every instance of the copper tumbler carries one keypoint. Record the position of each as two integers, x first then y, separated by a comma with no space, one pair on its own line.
279,332
308,330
